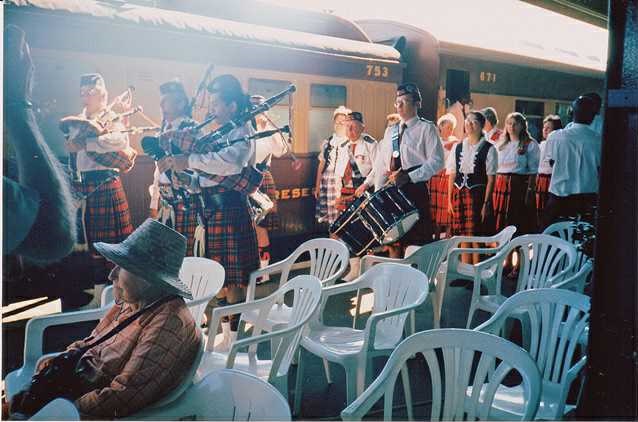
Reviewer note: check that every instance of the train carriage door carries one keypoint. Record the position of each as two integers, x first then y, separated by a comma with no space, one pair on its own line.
533,112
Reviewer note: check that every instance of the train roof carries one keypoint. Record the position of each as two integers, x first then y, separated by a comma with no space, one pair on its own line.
502,30
135,14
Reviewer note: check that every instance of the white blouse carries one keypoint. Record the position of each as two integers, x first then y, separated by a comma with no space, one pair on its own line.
510,161
468,154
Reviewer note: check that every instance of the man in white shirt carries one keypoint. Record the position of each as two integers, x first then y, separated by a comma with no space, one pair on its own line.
574,154
408,156
492,132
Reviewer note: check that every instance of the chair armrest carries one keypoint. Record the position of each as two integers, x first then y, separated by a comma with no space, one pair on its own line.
260,305
34,330
373,320
454,255
253,341
271,269
368,261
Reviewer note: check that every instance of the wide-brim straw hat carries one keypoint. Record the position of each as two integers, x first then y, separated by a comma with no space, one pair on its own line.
153,252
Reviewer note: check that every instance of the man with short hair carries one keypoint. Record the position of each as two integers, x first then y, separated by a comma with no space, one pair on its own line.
408,156
492,133
574,153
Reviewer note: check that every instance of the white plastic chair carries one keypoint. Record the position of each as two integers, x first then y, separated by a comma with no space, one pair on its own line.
454,351
205,278
328,261
457,270
226,394
543,261
427,259
306,291
57,410
577,281
558,319
566,230
398,289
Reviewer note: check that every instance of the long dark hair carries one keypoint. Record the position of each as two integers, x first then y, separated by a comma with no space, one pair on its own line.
524,137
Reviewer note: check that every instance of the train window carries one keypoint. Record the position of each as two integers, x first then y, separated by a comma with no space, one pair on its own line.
533,111
269,87
323,100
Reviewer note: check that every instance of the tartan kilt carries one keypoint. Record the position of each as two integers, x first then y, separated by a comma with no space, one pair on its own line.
347,198
542,194
107,217
509,203
325,206
186,222
467,205
231,239
271,221
438,199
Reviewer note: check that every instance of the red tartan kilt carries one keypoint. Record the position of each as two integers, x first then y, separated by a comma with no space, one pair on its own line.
186,223
438,199
346,199
271,221
107,215
467,205
231,240
509,203
542,191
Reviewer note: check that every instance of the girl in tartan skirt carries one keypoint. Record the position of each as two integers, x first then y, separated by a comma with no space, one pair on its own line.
550,124
471,168
438,184
230,230
518,158
326,181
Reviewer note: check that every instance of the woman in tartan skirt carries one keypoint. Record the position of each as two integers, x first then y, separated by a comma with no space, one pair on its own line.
518,158
438,184
230,230
550,124
471,169
326,180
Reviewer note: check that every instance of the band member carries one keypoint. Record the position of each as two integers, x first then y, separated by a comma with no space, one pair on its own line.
169,202
104,212
575,154
472,168
325,182
354,164
550,123
439,182
408,156
518,157
492,133
265,149
230,230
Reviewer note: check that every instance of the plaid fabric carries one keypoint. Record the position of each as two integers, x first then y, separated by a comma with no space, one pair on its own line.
231,239
107,216
438,199
185,219
467,205
509,203
141,363
542,194
271,221
122,160
184,139
325,208
246,182
346,199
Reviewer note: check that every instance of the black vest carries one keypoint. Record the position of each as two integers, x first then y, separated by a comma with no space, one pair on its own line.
479,177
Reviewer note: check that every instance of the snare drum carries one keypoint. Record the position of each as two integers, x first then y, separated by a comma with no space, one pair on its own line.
389,214
353,230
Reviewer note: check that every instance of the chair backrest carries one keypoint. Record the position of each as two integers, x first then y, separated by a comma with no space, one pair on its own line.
566,229
557,320
456,352
107,299
394,286
428,258
328,259
306,296
205,278
543,261
504,235
57,410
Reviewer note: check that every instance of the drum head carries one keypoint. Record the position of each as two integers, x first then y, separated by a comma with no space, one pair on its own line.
400,228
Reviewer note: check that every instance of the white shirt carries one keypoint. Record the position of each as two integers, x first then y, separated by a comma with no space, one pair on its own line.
544,167
420,146
468,154
596,125
111,142
365,154
228,161
271,146
576,154
510,161
335,143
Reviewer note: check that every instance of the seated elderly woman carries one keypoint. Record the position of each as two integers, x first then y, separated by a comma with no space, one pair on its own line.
151,337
